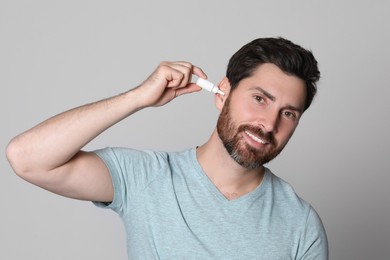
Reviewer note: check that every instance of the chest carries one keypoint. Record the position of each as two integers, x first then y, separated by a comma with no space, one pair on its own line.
182,224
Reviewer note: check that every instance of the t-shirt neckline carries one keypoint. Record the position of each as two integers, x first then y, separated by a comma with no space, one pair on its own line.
250,196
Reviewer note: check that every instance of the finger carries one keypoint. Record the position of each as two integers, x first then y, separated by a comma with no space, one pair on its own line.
199,72
172,73
194,70
181,73
186,69
175,79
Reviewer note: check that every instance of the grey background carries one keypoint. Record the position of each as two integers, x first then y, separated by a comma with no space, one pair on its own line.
55,55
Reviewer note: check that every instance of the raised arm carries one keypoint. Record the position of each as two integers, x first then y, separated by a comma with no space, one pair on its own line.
49,155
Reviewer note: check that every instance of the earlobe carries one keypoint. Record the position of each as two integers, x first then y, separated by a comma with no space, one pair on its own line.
224,86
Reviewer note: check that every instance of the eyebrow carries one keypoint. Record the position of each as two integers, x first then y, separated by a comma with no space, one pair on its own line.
265,93
273,98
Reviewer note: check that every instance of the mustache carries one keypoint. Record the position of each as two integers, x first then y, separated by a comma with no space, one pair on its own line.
268,137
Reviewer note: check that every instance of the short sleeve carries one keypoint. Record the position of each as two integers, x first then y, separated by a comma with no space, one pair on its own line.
131,171
314,243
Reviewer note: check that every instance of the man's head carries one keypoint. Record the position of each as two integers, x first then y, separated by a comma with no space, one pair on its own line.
289,57
269,84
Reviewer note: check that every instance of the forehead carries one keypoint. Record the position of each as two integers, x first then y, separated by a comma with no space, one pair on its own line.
282,86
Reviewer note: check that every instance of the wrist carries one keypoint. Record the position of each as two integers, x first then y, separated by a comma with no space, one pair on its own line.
136,99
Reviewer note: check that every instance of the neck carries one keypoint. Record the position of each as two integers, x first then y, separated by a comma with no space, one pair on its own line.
228,176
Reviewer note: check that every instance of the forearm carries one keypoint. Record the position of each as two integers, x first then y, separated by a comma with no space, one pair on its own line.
51,145
56,140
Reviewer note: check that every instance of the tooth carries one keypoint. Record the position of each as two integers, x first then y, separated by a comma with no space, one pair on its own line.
255,138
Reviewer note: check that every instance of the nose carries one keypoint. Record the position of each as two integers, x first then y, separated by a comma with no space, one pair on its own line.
270,121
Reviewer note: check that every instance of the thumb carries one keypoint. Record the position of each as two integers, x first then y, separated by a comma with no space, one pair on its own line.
190,88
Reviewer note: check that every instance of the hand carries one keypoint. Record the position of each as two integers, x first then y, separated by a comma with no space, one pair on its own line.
169,80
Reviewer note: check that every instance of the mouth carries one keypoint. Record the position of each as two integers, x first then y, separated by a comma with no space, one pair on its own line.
255,138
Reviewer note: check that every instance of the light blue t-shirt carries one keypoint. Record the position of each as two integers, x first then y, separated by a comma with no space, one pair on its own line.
171,210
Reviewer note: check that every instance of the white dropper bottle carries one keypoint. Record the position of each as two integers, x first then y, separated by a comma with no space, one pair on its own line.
207,85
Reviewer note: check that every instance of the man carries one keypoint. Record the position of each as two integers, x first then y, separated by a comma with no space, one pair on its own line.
216,201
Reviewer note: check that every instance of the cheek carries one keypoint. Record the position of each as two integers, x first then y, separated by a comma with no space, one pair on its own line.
286,130
244,112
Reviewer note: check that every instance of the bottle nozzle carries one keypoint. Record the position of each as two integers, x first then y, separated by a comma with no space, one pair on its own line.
207,85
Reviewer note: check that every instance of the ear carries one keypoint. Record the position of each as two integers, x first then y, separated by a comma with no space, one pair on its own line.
225,87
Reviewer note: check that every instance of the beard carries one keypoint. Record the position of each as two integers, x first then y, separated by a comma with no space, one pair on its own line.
245,155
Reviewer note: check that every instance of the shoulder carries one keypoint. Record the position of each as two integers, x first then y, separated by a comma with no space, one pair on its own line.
287,200
124,152
283,191
291,208
130,159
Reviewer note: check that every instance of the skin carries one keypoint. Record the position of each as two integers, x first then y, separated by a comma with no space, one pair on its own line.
49,155
269,100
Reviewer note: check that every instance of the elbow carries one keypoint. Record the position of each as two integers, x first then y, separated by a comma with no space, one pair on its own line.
17,159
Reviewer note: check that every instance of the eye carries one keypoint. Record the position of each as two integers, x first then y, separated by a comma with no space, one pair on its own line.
259,99
290,115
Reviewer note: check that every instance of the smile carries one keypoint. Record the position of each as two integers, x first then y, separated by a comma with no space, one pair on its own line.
255,138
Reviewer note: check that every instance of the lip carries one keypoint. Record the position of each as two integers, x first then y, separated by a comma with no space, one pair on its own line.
255,139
